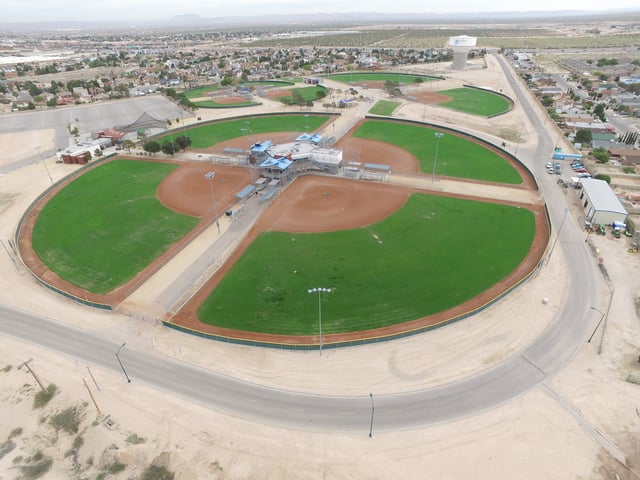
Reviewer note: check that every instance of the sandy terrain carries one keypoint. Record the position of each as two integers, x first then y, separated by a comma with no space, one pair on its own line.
546,433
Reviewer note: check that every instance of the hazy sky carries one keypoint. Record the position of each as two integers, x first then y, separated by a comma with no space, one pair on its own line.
39,10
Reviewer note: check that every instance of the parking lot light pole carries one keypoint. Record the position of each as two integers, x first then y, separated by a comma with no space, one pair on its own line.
319,290
438,136
210,176
372,412
599,322
120,361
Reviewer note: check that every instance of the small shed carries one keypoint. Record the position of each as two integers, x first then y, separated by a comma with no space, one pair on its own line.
601,206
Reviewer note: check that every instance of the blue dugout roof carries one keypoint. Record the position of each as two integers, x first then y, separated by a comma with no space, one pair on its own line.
280,163
261,146
245,192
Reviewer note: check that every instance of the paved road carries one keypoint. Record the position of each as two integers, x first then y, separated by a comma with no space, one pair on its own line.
513,377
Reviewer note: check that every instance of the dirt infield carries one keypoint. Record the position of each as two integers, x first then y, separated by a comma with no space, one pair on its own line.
278,93
372,151
426,96
230,100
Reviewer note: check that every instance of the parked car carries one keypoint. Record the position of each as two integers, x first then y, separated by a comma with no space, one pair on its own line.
581,170
549,165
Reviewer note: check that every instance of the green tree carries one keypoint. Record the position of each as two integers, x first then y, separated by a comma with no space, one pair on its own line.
183,142
584,136
152,147
547,101
599,112
169,147
600,154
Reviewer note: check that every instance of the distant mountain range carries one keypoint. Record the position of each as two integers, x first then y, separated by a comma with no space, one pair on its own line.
326,20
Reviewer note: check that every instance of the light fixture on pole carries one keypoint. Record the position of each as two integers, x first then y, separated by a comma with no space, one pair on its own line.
372,412
553,246
319,290
44,164
210,176
598,325
438,136
120,361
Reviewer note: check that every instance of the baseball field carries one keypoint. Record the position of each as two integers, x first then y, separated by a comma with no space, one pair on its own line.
389,254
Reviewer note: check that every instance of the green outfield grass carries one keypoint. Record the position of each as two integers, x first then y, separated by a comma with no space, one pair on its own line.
475,101
107,225
207,135
384,107
380,275
214,104
308,94
357,77
457,157
201,91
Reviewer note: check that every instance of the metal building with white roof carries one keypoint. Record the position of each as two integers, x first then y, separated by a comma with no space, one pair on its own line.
601,206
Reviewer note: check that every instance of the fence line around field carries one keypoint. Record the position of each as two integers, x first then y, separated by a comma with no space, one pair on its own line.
75,298
327,343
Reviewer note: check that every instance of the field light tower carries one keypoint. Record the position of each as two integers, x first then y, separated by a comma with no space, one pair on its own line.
210,176
320,291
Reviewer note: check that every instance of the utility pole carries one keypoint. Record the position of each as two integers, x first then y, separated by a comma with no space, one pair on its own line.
26,364
91,395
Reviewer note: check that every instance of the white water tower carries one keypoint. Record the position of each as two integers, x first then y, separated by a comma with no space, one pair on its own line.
461,46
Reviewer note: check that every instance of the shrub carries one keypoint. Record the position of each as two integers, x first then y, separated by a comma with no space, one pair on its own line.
602,176
628,169
44,396
16,432
6,447
42,464
67,420
155,472
135,439
7,369
77,442
116,467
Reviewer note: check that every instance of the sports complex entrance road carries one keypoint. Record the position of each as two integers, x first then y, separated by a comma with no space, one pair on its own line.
401,410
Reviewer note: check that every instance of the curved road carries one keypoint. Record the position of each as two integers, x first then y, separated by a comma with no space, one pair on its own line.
513,377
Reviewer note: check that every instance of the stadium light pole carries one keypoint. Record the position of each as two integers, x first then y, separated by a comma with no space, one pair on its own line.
319,290
120,361
438,136
210,176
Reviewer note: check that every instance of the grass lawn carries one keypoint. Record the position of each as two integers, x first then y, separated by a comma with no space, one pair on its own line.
214,104
380,275
457,156
401,78
201,91
308,94
107,225
384,107
477,102
207,135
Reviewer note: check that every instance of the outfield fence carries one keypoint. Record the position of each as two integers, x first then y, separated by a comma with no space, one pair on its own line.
355,341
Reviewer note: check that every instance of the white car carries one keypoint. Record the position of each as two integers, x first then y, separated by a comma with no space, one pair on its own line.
549,165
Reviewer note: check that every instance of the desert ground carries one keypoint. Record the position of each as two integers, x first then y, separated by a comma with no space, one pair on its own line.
576,424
